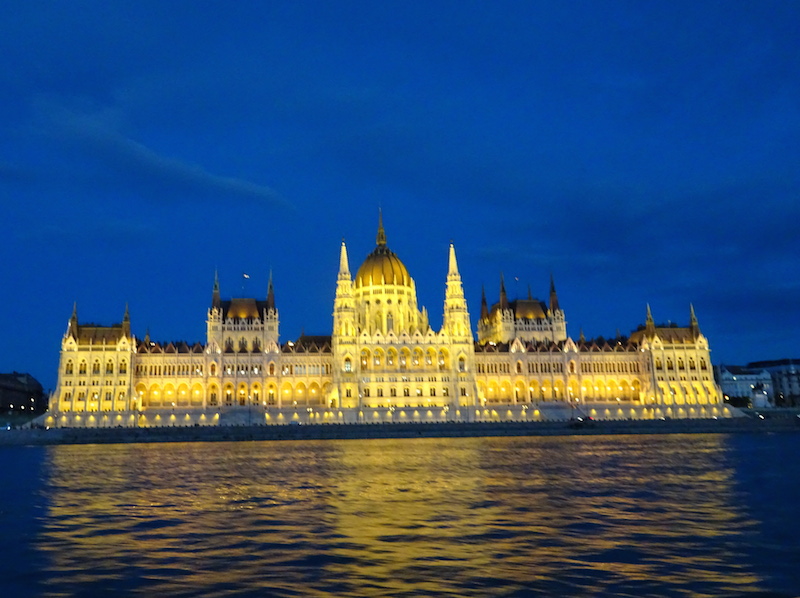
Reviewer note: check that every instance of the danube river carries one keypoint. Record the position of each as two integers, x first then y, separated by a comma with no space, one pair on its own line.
661,515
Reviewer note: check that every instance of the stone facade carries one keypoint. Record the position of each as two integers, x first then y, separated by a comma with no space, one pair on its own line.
382,363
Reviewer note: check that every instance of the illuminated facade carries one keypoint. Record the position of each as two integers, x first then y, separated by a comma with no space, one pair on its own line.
382,363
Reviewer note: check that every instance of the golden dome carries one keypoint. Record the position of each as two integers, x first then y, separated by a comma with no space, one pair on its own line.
382,266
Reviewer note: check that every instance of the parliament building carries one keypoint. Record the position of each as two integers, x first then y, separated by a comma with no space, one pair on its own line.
382,363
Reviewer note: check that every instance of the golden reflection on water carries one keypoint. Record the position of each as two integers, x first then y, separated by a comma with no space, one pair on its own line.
477,516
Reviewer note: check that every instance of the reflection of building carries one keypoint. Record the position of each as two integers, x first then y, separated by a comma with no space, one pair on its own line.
785,380
745,387
383,362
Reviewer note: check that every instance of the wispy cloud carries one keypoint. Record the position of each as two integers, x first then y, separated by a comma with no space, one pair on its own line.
111,230
97,134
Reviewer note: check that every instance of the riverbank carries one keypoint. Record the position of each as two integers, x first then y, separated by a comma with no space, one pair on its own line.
752,424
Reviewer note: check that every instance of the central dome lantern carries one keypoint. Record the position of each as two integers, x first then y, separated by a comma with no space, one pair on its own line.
382,266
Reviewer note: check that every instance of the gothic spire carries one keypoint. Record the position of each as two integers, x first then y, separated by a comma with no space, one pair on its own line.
452,265
216,301
270,293
72,328
503,296
344,264
126,322
650,325
694,326
484,305
553,295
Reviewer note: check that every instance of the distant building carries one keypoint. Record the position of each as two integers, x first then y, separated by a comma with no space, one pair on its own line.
785,375
22,393
745,386
382,363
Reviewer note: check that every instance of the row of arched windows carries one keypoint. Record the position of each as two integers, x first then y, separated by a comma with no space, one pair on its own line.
69,367
670,364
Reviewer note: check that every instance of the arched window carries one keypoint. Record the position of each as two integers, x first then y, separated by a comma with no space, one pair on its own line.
256,346
243,345
82,368
348,365
68,368
96,367
462,364
519,367
213,369
123,367
271,369
110,367
213,398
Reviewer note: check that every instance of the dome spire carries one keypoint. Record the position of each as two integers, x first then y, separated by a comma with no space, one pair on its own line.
381,238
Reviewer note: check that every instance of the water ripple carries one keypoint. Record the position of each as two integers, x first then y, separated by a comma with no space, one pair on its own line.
582,516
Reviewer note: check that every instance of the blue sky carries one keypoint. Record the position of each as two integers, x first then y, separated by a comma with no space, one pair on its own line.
638,151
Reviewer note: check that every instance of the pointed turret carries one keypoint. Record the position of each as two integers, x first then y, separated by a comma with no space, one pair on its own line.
344,264
452,264
270,294
530,295
554,307
216,301
456,317
484,305
694,327
582,337
72,328
126,323
650,325
503,296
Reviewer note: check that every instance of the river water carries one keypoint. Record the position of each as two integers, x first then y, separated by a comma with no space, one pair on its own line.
679,515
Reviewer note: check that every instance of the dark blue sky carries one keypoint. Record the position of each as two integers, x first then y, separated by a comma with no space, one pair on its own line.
640,151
